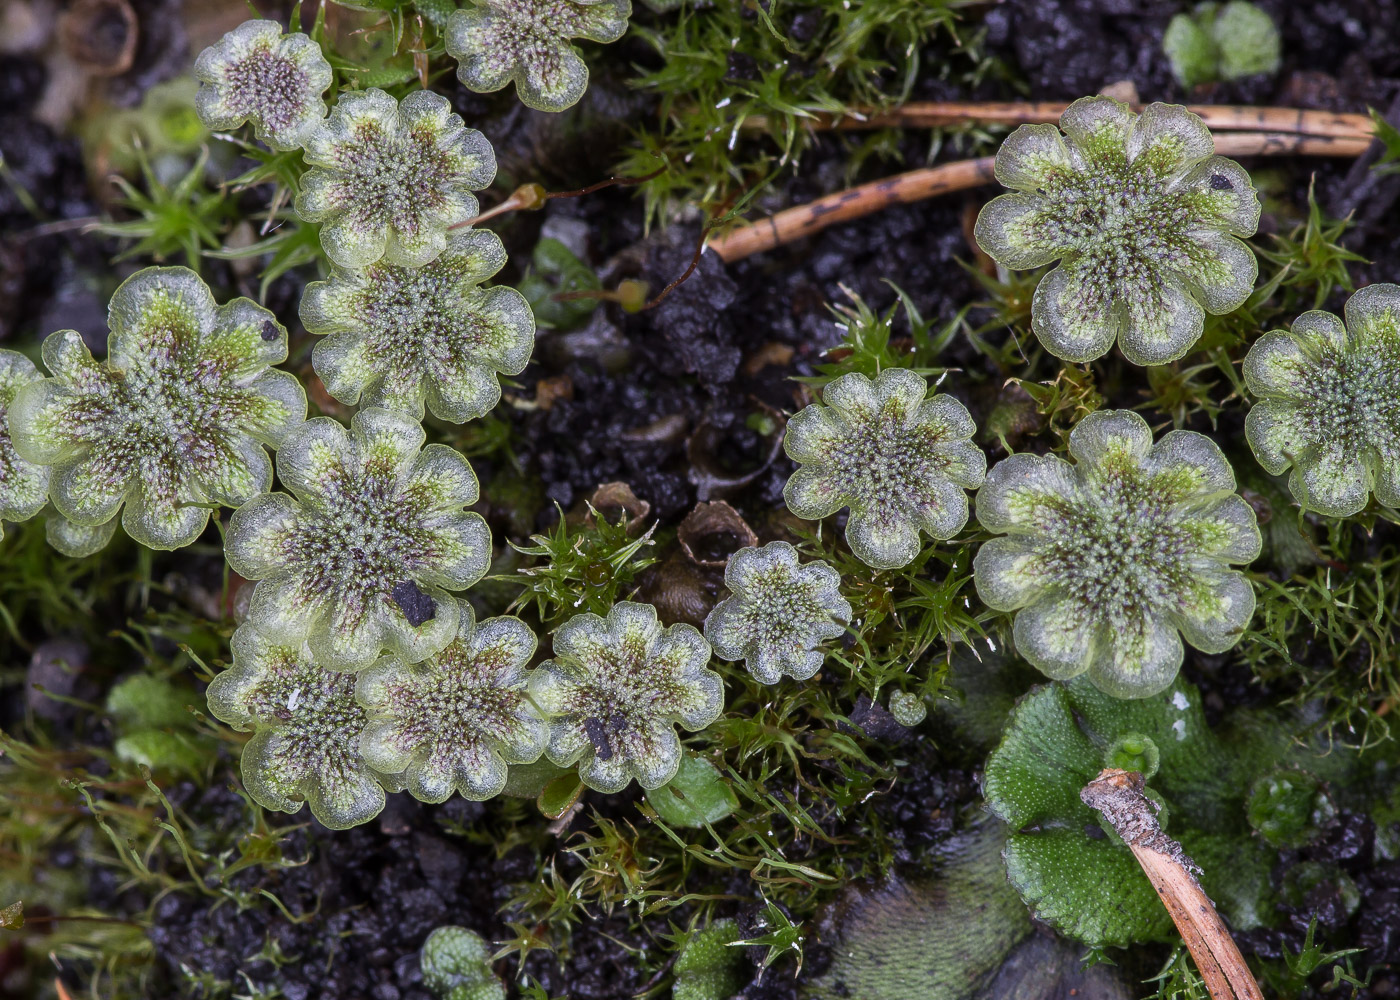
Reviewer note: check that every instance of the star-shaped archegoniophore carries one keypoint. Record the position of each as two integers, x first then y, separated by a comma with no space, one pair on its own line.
306,728
175,420
1110,562
400,335
899,461
778,614
361,557
24,486
497,41
389,177
1330,403
257,74
617,688
455,721
1142,218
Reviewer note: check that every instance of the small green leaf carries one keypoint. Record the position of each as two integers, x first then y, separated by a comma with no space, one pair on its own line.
695,796
555,271
1290,808
527,781
1221,42
456,965
146,702
12,916
1191,51
1389,137
559,796
1134,752
706,968
161,750
908,708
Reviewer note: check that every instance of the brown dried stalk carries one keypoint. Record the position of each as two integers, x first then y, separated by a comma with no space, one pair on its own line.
1220,117
852,203
926,182
1133,816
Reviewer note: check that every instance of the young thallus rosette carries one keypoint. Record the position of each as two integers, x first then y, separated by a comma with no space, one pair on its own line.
400,337
174,422
1329,404
360,557
900,461
496,42
24,486
257,75
1143,219
306,729
1110,561
389,178
615,691
453,722
778,612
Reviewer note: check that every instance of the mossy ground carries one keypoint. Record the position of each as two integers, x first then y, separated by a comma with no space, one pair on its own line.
173,883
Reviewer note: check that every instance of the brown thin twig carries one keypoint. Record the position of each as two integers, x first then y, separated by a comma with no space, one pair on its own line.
1133,816
1220,117
685,276
852,203
926,182
619,294
530,197
610,182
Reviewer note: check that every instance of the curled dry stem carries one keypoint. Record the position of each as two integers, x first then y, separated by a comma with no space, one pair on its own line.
1133,816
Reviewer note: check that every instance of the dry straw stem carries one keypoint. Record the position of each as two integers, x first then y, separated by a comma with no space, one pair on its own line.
1218,117
1119,796
926,182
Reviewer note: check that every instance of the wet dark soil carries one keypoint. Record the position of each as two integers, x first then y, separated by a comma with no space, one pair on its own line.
629,397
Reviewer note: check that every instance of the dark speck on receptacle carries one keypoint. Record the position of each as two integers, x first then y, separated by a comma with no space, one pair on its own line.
416,606
598,736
